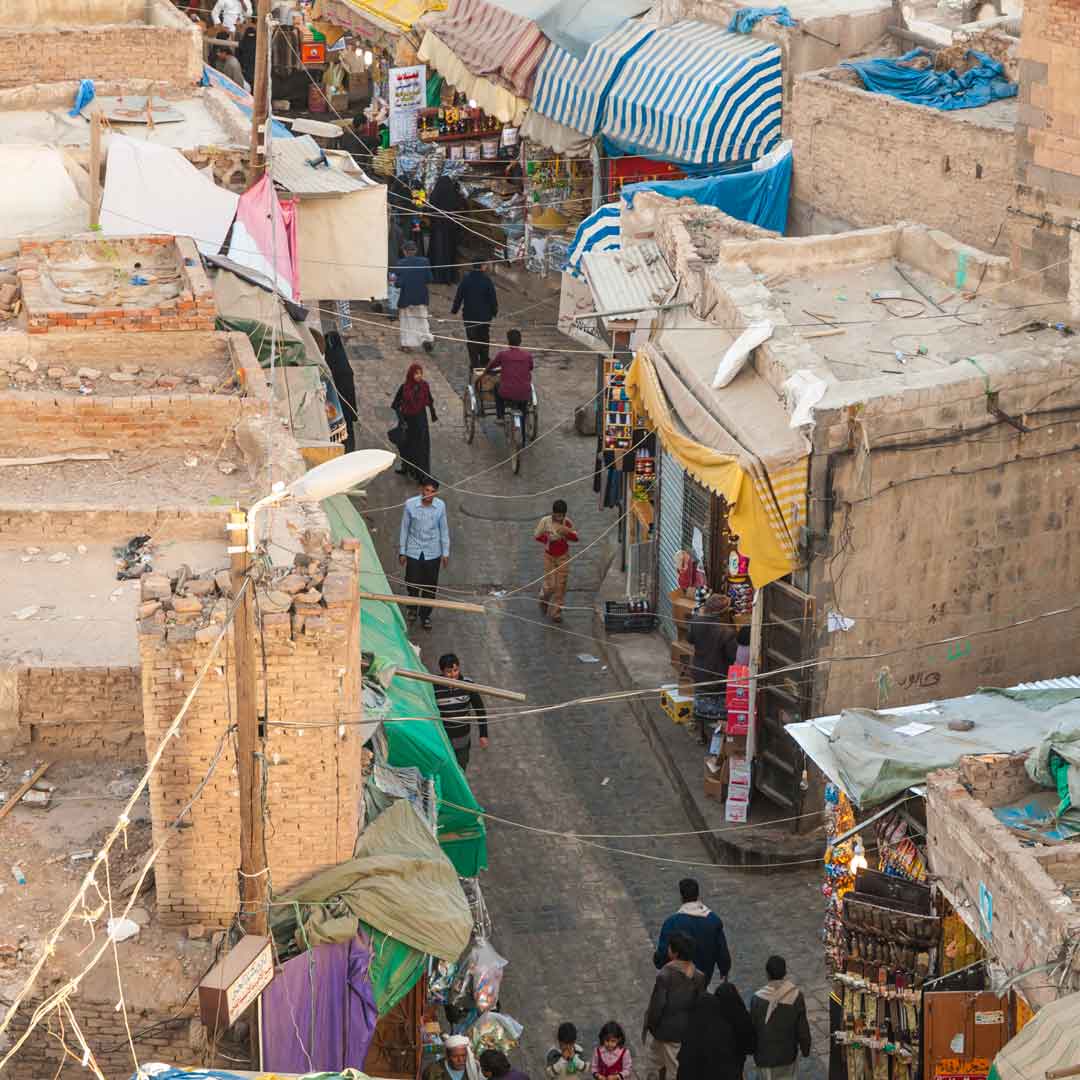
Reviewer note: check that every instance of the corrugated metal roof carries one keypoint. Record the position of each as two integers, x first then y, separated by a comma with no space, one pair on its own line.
632,280
291,169
1066,682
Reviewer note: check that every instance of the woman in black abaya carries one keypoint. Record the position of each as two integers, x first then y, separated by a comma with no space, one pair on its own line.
445,230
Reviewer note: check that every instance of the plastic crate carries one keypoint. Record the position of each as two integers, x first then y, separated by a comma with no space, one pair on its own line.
619,619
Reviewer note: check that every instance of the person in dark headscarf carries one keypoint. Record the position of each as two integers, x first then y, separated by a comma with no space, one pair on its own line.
245,53
446,201
340,368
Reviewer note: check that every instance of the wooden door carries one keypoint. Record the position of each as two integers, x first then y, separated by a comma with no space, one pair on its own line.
962,1032
784,697
395,1050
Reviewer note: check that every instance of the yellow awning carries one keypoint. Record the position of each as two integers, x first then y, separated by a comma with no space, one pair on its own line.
399,15
495,100
763,505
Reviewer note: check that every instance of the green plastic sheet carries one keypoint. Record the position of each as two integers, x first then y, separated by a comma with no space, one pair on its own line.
289,351
394,968
413,734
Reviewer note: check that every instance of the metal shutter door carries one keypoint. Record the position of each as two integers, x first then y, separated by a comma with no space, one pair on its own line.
670,533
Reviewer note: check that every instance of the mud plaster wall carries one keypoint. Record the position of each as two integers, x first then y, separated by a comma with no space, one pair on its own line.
862,159
955,539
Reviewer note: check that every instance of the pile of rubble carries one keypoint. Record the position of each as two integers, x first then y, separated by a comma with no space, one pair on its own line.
189,606
27,373
10,297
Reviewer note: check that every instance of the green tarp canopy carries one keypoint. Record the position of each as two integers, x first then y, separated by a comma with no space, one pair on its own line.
414,741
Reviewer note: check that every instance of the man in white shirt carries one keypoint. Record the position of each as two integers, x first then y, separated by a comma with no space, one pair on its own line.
424,546
228,13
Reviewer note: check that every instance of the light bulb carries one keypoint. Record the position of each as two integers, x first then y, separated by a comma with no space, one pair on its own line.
368,58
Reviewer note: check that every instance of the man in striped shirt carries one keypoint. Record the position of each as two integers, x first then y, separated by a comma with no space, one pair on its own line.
455,706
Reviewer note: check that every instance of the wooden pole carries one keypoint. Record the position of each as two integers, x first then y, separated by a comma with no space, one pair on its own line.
416,601
260,113
253,885
10,805
95,168
460,684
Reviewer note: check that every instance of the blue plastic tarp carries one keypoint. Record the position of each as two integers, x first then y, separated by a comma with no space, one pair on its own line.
745,19
757,195
83,96
981,84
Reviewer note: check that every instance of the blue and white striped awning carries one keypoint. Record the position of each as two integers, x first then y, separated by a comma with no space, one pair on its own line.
690,93
600,231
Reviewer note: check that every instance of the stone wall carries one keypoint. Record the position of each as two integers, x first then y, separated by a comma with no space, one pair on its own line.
864,159
1032,916
1048,144
963,536
310,633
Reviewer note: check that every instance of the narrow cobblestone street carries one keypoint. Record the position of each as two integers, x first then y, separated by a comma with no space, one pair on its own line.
577,920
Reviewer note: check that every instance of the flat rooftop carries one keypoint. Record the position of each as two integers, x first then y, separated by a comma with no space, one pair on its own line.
75,613
191,122
876,311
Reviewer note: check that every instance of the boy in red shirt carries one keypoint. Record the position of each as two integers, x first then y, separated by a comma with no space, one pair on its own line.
556,533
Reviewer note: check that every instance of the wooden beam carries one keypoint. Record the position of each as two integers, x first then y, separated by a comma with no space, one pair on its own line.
51,459
460,684
23,789
423,601
95,168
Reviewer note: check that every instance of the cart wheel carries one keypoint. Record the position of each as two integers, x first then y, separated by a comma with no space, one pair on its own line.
517,442
468,415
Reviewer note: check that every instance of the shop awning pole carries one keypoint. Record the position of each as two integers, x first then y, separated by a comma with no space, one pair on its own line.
460,684
629,311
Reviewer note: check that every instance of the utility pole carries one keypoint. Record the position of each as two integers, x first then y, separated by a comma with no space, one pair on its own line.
260,112
253,871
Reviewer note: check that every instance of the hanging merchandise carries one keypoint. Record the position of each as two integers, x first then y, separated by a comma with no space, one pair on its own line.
618,417
495,1031
740,590
479,976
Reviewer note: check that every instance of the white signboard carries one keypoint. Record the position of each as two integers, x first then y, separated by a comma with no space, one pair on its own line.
408,95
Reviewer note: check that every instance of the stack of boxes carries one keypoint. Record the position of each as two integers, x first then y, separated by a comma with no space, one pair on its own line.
727,769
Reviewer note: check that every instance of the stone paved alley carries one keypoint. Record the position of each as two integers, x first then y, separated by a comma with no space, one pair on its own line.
576,921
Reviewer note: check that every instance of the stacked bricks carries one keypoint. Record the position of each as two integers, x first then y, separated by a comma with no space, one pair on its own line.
1033,918
93,711
310,633
996,779
35,53
192,309
862,158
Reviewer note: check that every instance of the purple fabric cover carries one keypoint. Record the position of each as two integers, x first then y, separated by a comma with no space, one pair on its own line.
319,1012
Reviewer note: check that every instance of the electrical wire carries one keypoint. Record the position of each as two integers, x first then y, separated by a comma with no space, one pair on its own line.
124,820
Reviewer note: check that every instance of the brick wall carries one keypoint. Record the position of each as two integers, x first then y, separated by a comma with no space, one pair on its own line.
1032,917
36,54
175,1036
311,638
1047,141
192,309
73,524
864,159
957,538
91,711
996,779
66,422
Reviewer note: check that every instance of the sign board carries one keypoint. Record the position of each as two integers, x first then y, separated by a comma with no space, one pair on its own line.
408,95
235,982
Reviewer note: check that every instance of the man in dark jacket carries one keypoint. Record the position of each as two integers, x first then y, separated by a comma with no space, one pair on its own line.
781,1030
703,927
413,277
667,1020
457,707
478,304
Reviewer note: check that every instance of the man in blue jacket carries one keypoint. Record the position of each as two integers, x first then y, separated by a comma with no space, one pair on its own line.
703,926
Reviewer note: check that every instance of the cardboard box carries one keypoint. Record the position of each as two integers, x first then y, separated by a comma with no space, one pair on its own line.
736,810
714,788
739,772
734,746
679,707
682,607
738,688
738,723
